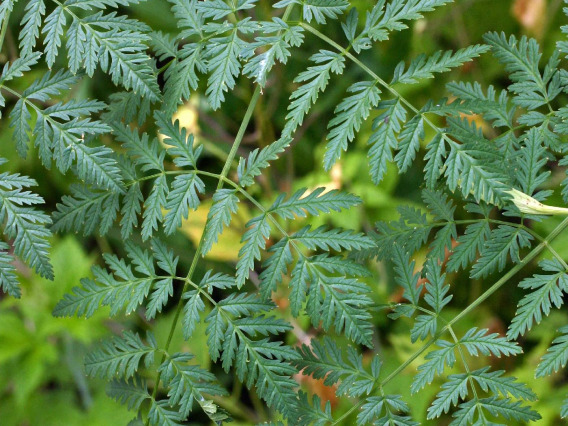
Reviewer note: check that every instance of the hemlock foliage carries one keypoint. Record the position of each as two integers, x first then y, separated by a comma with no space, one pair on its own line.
136,169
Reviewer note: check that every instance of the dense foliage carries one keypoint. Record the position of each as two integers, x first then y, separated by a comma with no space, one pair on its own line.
302,300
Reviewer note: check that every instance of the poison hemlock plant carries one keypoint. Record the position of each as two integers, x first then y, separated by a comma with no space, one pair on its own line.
483,189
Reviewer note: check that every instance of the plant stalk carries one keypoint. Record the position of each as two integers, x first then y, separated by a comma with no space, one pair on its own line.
222,179
197,254
4,28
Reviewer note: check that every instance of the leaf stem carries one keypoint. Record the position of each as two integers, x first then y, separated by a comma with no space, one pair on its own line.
4,28
196,256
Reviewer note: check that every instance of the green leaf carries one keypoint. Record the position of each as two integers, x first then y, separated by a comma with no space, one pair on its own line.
341,302
224,65
325,360
471,242
274,267
503,241
409,140
258,363
181,198
315,80
476,169
332,239
350,113
181,76
314,413
373,408
162,291
274,48
435,156
508,409
476,341
182,143
147,154
384,140
8,279
495,382
18,67
299,281
254,240
224,206
521,59
130,393
556,356
405,276
96,166
122,290
317,9
85,210
31,22
120,356
424,325
191,311
154,204
258,160
381,20
531,159
160,414
423,67
187,383
131,208
312,203
435,363
452,391
26,225
410,232
546,290
437,289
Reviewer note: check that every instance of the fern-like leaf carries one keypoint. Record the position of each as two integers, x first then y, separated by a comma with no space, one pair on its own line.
423,67
547,290
224,205
120,356
130,393
187,383
350,113
503,241
556,357
384,138
254,240
258,160
181,198
315,80
325,360
314,203
317,9
25,224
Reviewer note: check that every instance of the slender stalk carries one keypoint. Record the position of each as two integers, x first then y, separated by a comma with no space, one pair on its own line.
4,28
196,256
222,179
529,257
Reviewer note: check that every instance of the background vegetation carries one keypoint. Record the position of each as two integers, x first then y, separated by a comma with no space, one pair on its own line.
41,357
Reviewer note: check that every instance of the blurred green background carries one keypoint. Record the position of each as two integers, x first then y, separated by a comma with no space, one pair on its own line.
41,375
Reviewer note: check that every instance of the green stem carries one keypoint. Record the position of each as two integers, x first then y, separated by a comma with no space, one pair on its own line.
222,178
534,252
4,28
240,135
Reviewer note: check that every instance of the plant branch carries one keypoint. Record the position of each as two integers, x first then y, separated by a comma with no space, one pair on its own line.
4,28
222,180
